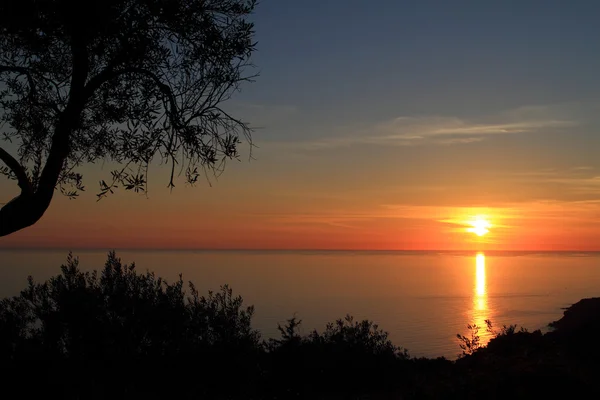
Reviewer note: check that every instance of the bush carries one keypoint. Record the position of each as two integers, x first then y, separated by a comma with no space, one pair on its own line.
132,326
119,333
347,357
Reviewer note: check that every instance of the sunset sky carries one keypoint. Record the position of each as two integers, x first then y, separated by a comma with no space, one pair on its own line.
385,125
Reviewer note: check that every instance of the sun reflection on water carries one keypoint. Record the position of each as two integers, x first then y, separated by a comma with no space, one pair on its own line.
480,289
480,298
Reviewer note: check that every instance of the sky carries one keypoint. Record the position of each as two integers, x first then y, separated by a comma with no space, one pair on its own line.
385,125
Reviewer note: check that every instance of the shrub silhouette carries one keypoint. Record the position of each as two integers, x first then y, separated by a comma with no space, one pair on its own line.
128,324
119,333
347,357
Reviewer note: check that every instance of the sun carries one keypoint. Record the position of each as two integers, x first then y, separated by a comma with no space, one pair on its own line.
479,226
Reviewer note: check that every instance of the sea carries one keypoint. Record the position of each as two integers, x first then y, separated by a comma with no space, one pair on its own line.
422,299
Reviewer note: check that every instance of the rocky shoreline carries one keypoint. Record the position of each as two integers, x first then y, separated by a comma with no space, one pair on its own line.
579,317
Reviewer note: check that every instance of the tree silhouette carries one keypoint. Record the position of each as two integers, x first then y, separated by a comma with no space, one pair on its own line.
128,81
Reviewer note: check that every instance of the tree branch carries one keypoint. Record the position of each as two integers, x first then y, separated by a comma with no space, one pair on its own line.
67,121
20,71
18,170
107,75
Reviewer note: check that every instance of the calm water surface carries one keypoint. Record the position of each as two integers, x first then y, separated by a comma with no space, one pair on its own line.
422,299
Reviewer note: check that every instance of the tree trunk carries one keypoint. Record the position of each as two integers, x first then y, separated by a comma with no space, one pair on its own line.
27,208
22,211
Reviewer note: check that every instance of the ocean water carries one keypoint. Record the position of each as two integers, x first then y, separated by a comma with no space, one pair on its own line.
423,299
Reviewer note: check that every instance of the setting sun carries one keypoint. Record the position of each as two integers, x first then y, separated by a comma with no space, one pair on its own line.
480,226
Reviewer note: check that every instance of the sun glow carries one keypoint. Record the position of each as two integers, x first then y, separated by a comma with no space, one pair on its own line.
479,226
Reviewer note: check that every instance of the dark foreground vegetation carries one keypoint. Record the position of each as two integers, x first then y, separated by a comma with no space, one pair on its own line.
119,333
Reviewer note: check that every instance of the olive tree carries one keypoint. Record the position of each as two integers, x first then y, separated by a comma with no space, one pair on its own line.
131,82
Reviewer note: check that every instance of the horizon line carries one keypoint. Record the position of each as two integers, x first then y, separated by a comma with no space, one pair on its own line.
200,249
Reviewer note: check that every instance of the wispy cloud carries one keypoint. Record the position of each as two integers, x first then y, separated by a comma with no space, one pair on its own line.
578,180
444,130
505,215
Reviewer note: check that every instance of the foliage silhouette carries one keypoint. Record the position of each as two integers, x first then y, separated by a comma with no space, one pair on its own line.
126,323
120,333
470,344
347,354
128,81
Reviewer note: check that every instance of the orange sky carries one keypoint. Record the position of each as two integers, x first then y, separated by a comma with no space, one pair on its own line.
313,208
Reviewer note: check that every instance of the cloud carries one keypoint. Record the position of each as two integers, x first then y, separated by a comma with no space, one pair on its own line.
578,180
505,215
444,130
387,219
